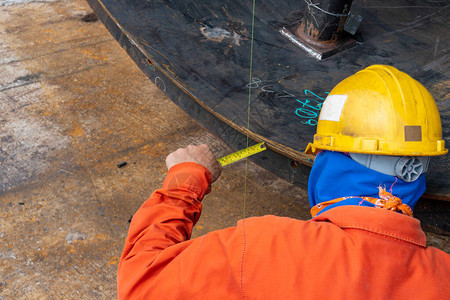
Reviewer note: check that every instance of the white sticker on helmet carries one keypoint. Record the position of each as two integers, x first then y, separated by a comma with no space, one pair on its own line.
332,108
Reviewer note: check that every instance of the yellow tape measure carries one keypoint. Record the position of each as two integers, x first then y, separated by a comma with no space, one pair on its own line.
238,155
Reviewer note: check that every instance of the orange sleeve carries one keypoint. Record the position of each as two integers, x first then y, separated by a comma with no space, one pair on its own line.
165,219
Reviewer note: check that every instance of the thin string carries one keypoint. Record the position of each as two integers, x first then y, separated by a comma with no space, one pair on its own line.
393,184
249,101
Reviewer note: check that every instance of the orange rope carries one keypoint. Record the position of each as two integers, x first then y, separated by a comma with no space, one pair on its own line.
390,202
386,201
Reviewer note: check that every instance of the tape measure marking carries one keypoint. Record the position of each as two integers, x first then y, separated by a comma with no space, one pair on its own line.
238,155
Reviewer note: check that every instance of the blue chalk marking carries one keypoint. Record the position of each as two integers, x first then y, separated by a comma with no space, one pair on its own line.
310,108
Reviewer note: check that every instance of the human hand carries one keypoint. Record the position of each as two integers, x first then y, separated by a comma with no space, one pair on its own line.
199,154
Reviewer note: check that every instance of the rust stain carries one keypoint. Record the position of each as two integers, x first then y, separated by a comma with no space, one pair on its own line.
113,260
155,150
94,55
102,237
117,91
71,187
138,140
77,131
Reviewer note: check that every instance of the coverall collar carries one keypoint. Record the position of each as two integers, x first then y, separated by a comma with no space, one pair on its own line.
376,220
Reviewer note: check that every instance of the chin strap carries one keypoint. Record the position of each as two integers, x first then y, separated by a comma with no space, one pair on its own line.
386,201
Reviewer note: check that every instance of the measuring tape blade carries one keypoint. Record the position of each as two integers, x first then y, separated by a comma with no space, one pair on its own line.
238,155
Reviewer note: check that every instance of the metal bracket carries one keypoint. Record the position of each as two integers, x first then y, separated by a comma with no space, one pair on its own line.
352,23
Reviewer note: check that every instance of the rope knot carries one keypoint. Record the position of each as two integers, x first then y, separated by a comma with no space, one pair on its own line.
390,202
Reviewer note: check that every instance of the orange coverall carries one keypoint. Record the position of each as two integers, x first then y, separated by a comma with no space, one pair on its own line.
348,252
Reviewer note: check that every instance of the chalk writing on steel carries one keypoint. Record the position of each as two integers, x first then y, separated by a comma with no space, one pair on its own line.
268,88
310,107
255,83
159,82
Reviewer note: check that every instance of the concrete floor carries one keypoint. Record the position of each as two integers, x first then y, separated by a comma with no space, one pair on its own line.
72,106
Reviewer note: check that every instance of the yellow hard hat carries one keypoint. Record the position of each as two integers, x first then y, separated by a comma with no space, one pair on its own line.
379,110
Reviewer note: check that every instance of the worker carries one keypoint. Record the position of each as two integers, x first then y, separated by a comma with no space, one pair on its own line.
376,132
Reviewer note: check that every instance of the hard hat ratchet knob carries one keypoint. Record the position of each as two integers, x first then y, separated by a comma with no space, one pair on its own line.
408,168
